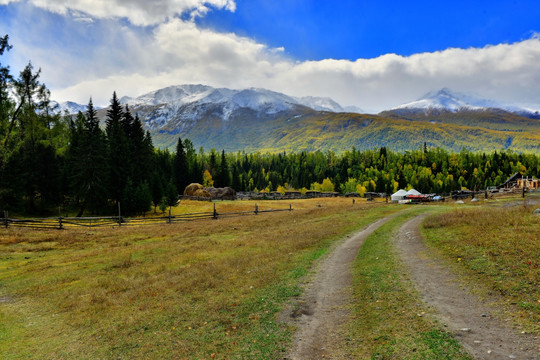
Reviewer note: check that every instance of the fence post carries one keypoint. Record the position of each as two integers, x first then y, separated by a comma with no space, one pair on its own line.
6,218
256,209
169,220
215,212
119,215
290,207
60,227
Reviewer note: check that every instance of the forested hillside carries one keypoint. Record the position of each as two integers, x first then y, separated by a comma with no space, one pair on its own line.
48,161
311,131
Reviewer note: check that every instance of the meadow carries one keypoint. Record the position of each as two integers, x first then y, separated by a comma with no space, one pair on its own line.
202,289
214,288
497,250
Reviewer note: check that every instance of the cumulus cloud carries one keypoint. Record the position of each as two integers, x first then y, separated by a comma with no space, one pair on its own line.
138,12
183,53
504,72
136,59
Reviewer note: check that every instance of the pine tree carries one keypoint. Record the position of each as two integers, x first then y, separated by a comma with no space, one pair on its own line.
223,174
96,170
141,152
157,191
171,194
180,167
119,162
88,162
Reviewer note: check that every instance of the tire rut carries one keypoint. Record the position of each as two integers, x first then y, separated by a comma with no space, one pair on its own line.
467,316
323,307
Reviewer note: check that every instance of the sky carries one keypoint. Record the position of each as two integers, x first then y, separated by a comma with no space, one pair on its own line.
372,54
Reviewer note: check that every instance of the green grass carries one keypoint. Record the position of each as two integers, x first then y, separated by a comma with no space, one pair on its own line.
185,290
389,321
497,250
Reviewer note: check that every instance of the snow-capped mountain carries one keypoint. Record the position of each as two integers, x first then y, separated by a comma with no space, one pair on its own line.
69,106
446,99
320,103
184,105
253,98
452,101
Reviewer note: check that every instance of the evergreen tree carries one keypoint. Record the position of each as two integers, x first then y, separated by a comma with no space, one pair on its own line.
119,162
194,165
180,168
141,152
212,163
88,162
222,178
157,191
171,194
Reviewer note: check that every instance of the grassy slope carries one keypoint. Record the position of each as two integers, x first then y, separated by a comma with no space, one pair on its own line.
493,119
185,290
339,132
388,321
497,249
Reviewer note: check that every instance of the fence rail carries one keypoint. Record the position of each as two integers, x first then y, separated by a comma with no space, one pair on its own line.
91,222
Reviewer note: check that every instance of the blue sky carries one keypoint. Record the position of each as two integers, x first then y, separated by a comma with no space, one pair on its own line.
371,54
349,29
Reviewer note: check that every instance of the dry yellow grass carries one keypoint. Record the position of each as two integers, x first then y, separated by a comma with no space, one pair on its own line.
184,290
497,247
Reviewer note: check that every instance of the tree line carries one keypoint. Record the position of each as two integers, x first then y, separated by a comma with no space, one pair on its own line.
90,165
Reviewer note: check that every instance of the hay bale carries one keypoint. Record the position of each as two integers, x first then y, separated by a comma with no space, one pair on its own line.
191,189
222,193
202,193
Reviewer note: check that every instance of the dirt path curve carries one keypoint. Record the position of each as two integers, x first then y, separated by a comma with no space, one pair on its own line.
484,336
323,307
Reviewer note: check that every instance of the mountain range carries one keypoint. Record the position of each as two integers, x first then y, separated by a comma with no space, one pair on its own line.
263,120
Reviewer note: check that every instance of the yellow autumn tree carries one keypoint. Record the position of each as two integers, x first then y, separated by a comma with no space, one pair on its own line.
326,186
207,179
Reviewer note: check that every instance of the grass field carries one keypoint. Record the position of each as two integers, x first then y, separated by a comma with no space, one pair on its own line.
204,289
213,288
496,248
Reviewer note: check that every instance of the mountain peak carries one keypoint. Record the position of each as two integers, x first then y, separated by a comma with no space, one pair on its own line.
449,100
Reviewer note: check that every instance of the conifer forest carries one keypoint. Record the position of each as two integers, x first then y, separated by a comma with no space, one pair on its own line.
80,163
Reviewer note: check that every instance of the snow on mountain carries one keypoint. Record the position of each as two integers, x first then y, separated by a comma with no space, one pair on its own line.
353,109
446,99
320,103
182,95
188,103
69,106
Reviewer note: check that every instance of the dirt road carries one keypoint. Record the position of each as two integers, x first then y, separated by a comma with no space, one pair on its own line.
468,317
323,307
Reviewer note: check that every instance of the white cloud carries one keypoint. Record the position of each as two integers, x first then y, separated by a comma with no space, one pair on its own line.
138,12
135,60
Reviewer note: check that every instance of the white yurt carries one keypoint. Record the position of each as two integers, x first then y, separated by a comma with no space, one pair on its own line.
413,192
399,195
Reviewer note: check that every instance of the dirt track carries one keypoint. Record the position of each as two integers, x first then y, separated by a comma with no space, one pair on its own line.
323,307
469,318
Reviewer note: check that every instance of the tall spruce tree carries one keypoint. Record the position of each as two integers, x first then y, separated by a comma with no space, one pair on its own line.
88,162
119,156
141,152
180,168
222,178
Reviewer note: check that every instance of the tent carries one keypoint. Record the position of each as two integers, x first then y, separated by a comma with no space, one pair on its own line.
413,192
399,195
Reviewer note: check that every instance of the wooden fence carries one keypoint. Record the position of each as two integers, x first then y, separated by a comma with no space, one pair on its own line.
89,222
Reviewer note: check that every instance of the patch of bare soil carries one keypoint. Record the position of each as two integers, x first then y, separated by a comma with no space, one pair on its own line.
324,305
466,315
